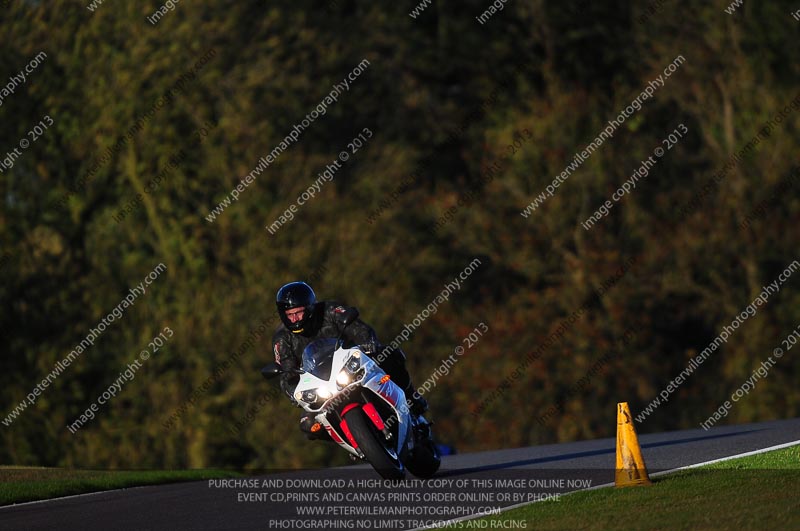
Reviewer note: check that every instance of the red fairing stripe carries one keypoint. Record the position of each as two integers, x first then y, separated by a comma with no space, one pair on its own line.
372,413
388,398
333,434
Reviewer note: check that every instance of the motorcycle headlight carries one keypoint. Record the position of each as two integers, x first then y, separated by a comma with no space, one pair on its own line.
353,363
299,397
324,393
343,378
308,396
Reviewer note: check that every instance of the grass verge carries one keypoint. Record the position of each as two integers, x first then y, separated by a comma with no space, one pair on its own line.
747,494
21,484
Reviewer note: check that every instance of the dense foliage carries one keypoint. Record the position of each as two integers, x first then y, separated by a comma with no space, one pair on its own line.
201,96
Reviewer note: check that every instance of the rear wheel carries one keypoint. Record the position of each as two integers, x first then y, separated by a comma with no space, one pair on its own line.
425,460
382,458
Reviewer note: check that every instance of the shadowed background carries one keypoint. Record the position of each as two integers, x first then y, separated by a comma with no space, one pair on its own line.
445,97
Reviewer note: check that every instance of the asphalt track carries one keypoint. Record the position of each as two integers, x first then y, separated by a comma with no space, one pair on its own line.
197,505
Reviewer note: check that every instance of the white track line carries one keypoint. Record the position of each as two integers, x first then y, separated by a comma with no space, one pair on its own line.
95,493
746,454
605,485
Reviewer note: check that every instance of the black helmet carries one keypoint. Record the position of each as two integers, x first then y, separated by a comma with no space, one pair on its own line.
296,295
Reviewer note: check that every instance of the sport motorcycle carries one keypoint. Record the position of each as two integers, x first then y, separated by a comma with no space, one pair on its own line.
361,408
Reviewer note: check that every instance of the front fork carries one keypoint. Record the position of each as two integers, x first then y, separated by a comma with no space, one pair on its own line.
372,413
339,421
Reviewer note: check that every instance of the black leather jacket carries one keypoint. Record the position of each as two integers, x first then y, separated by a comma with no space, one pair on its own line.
326,322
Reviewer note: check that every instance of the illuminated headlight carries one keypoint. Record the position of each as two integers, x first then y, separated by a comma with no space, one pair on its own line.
324,393
299,396
343,378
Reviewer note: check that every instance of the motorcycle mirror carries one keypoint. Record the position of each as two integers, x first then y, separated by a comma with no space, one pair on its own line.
271,371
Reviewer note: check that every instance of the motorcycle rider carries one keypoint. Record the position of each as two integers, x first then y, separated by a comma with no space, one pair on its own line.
304,320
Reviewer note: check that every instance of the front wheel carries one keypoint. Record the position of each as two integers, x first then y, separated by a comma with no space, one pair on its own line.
382,458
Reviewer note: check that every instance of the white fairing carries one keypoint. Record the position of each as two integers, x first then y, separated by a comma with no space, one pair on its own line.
369,375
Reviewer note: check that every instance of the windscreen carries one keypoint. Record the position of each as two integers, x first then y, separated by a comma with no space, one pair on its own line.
318,357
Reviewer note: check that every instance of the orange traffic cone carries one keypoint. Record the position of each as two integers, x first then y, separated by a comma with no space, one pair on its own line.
631,470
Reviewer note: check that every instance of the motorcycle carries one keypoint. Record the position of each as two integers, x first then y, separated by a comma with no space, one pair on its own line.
361,409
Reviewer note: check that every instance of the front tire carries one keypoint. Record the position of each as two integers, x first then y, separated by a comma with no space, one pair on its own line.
384,460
